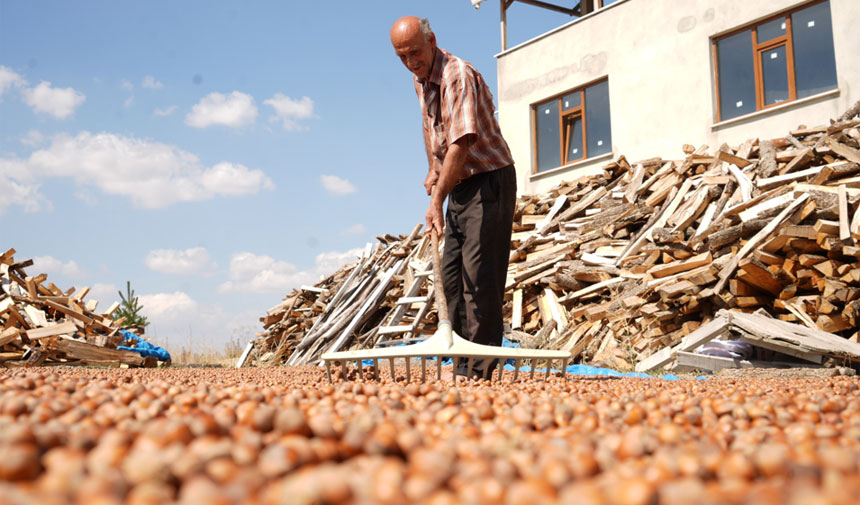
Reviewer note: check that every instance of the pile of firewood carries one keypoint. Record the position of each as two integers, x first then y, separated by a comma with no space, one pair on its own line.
618,266
42,325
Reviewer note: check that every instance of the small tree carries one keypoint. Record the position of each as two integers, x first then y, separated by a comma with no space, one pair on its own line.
130,309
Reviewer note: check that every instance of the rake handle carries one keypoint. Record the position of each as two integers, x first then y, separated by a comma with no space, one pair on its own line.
441,303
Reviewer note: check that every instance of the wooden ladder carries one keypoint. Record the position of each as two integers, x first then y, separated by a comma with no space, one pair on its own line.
404,311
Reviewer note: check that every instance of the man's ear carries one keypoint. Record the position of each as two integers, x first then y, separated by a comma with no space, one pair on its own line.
431,39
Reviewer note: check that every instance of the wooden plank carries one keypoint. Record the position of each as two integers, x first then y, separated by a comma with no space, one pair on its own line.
733,160
51,331
801,188
517,312
69,312
544,225
635,182
37,317
844,229
244,357
807,340
81,350
769,182
759,276
704,334
556,310
728,270
9,335
706,219
680,266
800,160
744,183
855,223
710,363
592,289
849,153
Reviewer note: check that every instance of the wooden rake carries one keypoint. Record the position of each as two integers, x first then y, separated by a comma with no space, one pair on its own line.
444,343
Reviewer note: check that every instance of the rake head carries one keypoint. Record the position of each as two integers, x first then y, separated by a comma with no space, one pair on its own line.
445,343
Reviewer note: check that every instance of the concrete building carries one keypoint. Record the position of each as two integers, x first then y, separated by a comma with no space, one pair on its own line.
643,77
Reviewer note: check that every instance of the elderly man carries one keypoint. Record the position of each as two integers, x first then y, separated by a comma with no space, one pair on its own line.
470,163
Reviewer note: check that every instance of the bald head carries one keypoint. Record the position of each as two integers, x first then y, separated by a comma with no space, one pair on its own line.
410,26
415,44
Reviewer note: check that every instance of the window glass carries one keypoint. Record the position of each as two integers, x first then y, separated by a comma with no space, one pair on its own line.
608,2
598,130
571,100
736,75
774,71
814,62
770,30
573,137
549,150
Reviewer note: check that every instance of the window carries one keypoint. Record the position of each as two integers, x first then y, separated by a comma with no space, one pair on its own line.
572,127
778,60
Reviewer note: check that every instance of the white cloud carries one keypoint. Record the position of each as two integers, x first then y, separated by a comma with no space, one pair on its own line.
58,102
336,185
151,83
166,111
288,111
250,273
167,307
9,78
86,196
18,187
24,195
234,110
128,102
188,262
33,138
127,85
356,229
106,294
151,174
51,265
177,322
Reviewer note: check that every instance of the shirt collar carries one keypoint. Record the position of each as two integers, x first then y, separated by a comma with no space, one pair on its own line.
435,76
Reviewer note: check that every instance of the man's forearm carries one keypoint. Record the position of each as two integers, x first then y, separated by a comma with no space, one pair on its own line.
427,148
452,171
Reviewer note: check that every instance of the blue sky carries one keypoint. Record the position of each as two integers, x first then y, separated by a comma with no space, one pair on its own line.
216,154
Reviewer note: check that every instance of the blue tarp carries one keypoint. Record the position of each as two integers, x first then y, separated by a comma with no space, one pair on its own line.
143,347
571,369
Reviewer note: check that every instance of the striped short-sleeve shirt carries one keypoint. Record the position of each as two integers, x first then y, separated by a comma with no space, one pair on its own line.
455,102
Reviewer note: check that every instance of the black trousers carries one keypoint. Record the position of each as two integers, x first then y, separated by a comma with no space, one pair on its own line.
478,220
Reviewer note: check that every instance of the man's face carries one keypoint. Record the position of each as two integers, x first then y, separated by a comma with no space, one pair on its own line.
415,52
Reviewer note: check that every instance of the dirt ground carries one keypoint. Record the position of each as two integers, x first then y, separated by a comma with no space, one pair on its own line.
284,435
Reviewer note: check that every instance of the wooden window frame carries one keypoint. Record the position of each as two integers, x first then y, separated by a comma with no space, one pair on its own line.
759,48
572,112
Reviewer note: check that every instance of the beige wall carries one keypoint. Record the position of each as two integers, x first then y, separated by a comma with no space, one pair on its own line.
657,55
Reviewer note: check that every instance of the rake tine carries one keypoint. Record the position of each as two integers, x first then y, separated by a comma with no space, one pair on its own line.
391,362
532,370
501,366
564,369
548,369
360,368
456,362
376,369
517,369
328,371
343,368
423,369
408,370
471,364
486,367
438,368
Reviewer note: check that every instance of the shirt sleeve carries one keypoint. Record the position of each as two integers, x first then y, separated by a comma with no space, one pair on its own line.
461,102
